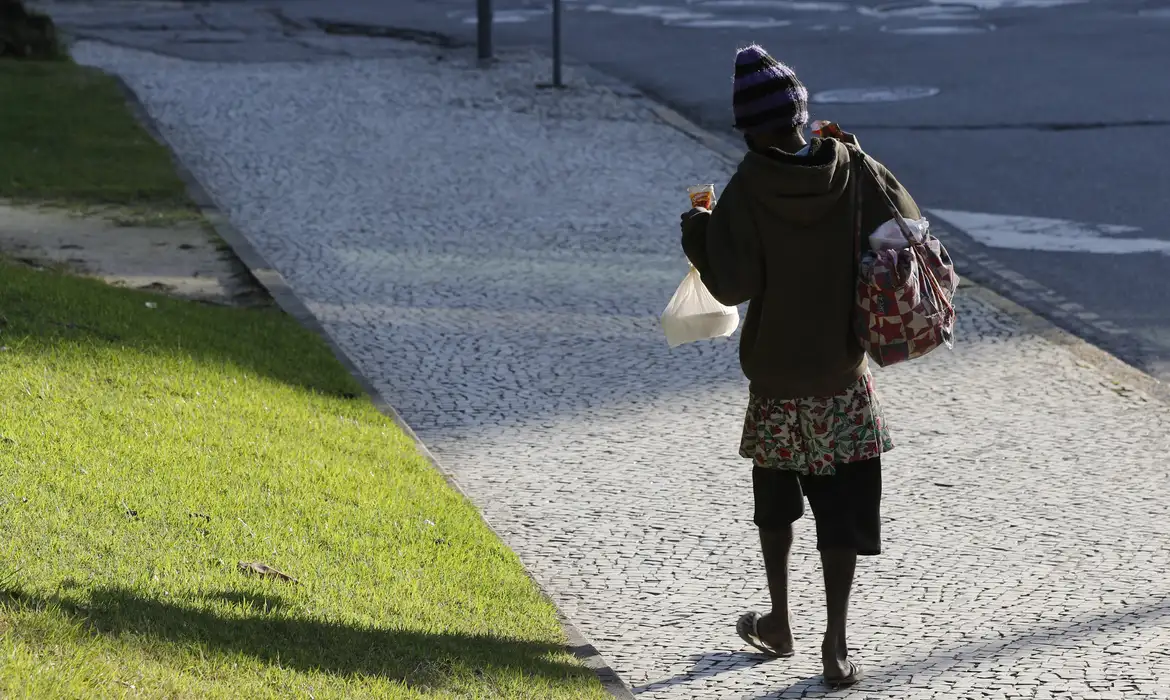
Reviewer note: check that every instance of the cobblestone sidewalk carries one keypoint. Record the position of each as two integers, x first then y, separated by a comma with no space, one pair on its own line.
495,258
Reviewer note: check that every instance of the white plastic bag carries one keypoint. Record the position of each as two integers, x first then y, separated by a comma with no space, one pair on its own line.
693,314
889,236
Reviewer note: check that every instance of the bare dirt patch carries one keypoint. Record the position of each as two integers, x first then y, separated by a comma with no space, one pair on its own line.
183,260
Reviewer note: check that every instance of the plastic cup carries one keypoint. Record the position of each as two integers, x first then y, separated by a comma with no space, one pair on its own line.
826,129
702,196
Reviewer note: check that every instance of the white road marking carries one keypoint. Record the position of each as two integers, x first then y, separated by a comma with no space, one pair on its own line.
873,94
1012,4
1050,235
941,30
729,23
924,11
661,12
509,16
794,5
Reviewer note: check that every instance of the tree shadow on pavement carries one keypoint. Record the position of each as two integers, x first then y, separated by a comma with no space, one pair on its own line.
420,659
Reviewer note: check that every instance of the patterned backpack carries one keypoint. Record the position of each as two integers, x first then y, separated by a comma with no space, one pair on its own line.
904,306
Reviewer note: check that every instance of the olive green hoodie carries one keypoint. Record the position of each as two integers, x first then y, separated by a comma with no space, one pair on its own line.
782,238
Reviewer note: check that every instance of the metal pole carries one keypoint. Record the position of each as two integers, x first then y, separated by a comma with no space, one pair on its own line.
484,25
556,43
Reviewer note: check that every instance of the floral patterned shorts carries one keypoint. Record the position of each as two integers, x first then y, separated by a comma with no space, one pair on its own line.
812,435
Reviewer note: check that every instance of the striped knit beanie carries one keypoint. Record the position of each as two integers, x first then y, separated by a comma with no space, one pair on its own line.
767,94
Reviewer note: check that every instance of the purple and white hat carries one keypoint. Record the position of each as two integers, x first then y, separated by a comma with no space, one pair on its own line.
767,94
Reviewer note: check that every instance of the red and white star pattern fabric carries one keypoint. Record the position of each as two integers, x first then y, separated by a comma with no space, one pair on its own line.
904,307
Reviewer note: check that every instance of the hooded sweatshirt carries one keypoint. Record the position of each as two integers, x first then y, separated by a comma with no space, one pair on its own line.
781,237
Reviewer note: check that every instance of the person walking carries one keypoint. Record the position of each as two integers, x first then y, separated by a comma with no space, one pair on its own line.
782,237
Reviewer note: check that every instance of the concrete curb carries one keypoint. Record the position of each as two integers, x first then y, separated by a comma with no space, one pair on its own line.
284,295
1124,375
1120,372
722,146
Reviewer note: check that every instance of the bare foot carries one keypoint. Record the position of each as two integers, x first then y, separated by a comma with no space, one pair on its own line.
835,656
777,632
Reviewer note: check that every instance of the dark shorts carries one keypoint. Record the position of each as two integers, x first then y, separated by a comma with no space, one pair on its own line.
846,505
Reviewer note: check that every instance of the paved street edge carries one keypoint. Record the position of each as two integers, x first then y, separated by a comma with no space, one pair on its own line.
282,293
1116,369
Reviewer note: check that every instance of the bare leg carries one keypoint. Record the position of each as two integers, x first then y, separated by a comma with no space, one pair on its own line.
775,627
839,565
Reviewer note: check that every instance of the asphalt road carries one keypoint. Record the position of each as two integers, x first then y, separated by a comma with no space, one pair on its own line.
1045,108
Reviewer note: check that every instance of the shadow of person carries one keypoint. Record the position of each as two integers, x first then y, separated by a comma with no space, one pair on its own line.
706,666
1064,635
417,658
813,687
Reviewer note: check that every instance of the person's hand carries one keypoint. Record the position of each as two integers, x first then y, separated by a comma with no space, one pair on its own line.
687,216
832,130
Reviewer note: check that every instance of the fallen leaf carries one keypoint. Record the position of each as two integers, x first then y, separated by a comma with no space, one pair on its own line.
255,567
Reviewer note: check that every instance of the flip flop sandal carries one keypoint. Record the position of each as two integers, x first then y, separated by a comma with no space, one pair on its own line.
748,629
855,674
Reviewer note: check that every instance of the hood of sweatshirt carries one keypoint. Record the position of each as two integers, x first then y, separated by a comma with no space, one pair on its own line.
800,190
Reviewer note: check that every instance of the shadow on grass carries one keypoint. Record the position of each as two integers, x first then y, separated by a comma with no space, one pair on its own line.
67,137
420,659
45,311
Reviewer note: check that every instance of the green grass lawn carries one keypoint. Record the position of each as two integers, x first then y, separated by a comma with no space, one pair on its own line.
66,138
148,446
146,452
